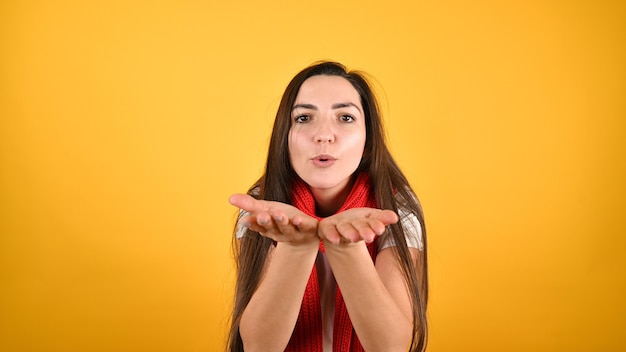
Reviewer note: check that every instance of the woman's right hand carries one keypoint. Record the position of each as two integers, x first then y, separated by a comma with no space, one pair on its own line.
275,220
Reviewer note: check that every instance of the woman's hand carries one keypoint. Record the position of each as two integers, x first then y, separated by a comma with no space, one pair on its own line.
279,221
355,225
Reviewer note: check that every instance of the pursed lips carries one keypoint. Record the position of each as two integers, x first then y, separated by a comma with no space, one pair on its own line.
323,160
324,157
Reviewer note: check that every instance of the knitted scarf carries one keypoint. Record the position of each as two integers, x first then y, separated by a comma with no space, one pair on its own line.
307,334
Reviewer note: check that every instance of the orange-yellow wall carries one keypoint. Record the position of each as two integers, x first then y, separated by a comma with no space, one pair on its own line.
125,125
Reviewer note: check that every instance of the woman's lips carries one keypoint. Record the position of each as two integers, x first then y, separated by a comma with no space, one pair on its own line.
323,160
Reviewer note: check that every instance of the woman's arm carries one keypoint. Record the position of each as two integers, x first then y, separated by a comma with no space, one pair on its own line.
376,295
270,317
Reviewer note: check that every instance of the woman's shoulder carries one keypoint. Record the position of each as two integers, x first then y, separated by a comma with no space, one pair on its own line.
409,222
412,232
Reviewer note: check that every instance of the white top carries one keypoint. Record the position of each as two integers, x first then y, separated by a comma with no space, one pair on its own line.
327,283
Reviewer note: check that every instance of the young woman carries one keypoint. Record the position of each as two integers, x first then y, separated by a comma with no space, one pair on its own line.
330,244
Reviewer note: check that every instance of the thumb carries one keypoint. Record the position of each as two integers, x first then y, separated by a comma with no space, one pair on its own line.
243,201
386,216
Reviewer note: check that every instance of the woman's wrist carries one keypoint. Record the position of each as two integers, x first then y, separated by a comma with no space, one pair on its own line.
301,246
343,247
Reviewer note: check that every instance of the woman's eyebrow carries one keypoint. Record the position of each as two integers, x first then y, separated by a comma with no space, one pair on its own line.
304,106
345,105
334,106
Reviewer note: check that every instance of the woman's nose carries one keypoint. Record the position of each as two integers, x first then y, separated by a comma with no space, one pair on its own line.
324,133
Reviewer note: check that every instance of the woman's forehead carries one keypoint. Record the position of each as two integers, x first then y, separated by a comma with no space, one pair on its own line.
326,88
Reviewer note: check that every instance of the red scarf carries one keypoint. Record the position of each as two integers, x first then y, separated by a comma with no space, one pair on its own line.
307,335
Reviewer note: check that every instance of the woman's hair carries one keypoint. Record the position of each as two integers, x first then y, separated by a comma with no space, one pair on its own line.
390,186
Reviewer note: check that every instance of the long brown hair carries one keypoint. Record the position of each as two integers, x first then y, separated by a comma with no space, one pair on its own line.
390,186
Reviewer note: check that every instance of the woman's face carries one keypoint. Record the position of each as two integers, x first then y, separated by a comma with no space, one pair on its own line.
327,135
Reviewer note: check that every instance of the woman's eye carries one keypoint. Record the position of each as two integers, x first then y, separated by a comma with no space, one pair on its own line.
346,118
301,118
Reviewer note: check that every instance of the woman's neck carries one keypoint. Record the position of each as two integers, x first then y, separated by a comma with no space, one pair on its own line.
329,201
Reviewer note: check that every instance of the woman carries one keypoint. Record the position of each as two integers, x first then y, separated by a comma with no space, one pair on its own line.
331,246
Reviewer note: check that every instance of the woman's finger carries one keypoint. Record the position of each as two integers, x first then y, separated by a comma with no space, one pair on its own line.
264,219
348,231
366,231
328,231
287,229
387,217
305,223
248,203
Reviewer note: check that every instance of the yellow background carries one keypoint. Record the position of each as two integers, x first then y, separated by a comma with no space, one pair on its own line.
125,126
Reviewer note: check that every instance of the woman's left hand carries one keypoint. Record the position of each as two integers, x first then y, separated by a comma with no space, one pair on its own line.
355,225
